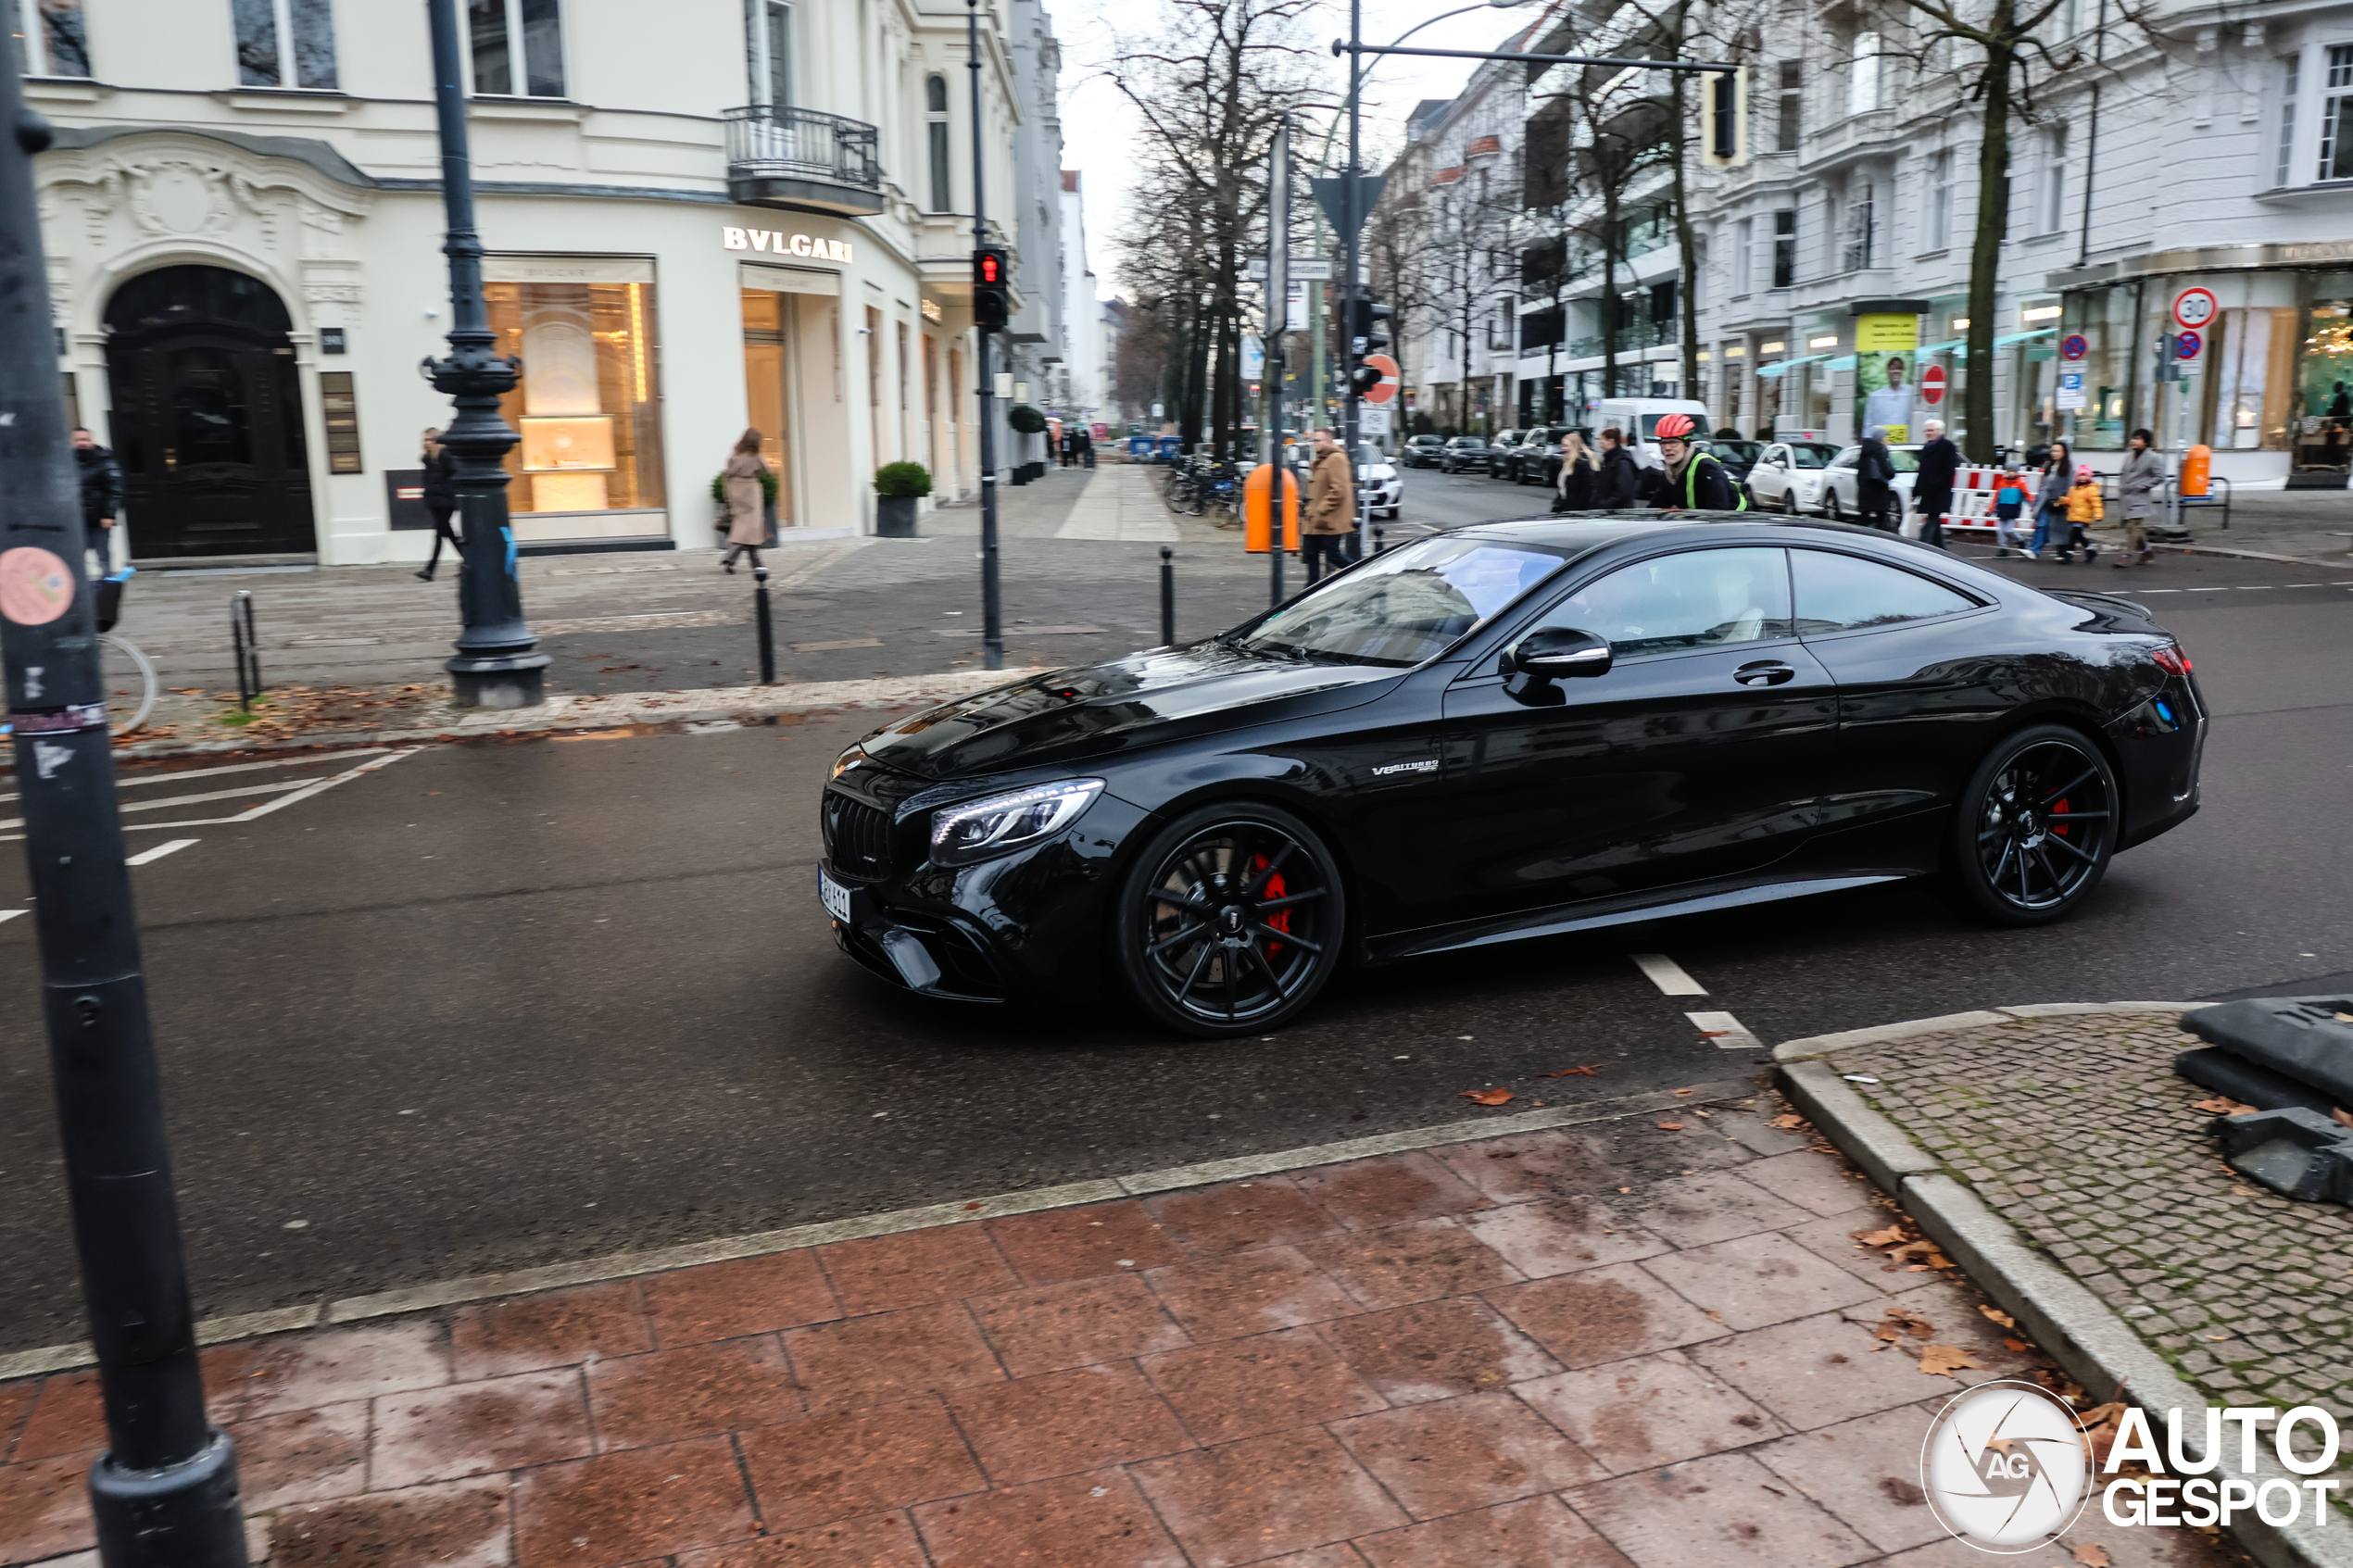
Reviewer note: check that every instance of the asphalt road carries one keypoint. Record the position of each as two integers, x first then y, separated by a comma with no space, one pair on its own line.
481,1007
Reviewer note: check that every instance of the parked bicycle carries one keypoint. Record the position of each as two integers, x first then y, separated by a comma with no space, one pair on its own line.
124,670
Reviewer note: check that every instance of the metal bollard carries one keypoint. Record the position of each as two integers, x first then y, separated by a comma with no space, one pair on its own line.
767,626
1378,533
245,643
1168,596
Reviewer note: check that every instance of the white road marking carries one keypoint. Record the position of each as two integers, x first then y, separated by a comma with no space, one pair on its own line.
6,915
159,852
1667,975
302,792
1729,1033
233,767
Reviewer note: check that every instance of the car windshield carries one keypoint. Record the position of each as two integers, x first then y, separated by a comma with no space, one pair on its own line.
1405,606
1906,462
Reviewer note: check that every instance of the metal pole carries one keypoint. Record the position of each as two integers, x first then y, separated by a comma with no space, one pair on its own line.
244,608
1379,540
164,1493
1278,319
497,664
767,626
1168,596
237,653
992,613
1352,223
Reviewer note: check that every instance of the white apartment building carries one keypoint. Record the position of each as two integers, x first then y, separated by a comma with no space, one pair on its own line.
757,214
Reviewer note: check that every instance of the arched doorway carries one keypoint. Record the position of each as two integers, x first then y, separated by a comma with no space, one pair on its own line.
208,417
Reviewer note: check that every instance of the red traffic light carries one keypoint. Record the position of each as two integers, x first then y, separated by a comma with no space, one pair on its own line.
988,268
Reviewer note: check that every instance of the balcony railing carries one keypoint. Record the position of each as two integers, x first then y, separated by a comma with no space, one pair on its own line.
783,156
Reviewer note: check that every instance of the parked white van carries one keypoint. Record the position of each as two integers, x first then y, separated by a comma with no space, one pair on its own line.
1639,417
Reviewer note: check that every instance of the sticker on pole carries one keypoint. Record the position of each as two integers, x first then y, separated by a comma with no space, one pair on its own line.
35,586
2194,308
2073,347
1386,387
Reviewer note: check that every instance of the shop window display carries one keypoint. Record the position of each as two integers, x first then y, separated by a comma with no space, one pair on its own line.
587,407
2324,439
2254,363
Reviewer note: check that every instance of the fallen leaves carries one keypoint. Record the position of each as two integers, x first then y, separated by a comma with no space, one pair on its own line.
1916,1253
1571,1072
2223,1105
1887,1237
1999,1316
1788,1123
1488,1096
1670,1126
2099,1429
1900,1322
1942,1361
2091,1554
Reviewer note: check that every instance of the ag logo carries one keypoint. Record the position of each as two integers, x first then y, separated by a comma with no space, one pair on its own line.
2006,1468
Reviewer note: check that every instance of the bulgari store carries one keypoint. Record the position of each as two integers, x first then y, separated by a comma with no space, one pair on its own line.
255,362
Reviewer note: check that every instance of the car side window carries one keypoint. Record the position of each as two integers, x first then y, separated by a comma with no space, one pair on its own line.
1694,599
1807,456
1845,459
1839,593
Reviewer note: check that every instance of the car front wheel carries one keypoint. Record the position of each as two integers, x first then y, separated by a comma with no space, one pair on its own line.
2036,828
1230,921
1830,505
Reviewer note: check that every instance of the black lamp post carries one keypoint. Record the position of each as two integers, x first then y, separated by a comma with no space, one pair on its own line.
497,662
164,1493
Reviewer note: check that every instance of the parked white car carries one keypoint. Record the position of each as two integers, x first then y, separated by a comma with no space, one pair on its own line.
1384,487
1841,484
1787,476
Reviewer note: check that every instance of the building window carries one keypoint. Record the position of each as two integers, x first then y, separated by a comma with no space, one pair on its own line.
2053,190
518,47
2285,164
2337,116
943,188
588,406
768,29
1784,248
1793,95
1862,76
1939,197
264,30
771,321
1744,256
51,38
1859,229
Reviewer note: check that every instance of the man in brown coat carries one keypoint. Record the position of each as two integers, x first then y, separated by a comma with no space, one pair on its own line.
1328,528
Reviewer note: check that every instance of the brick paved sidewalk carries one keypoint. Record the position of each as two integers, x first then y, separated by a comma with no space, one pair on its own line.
2078,1132
1649,1340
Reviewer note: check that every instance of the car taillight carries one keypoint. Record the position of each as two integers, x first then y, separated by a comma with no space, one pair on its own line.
2172,659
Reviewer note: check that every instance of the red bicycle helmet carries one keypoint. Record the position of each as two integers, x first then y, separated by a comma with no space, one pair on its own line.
1675,427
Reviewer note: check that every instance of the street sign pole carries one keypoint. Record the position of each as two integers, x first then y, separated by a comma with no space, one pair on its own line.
1278,319
992,608
497,664
164,1493
1350,223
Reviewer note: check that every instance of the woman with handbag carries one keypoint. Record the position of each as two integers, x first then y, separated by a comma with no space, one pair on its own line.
440,498
746,501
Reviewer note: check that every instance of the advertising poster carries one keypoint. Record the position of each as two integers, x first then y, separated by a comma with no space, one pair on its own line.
1885,386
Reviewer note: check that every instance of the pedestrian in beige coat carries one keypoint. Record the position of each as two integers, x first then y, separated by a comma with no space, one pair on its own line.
1328,525
746,501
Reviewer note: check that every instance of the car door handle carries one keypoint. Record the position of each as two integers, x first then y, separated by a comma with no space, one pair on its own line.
1764,672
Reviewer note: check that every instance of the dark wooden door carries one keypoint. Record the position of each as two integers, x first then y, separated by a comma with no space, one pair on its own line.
208,426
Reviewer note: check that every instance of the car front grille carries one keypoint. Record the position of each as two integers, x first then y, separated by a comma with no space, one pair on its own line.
856,839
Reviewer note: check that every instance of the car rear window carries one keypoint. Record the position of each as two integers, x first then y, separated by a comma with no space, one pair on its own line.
1838,592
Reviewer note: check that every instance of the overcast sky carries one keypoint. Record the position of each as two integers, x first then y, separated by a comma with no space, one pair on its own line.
1099,127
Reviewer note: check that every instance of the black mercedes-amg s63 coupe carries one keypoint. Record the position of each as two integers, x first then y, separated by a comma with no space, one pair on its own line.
1511,729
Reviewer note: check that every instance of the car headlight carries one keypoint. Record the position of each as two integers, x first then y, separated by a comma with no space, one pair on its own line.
847,761
962,835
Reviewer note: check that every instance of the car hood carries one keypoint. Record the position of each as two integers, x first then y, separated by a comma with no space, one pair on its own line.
1065,716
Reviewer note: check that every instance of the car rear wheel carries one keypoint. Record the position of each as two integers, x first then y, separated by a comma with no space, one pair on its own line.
1230,921
1788,503
1830,505
2036,827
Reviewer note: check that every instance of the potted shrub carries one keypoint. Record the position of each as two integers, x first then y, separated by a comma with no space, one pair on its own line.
767,510
1025,421
898,487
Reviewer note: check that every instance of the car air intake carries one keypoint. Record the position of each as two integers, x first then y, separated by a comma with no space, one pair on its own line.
856,839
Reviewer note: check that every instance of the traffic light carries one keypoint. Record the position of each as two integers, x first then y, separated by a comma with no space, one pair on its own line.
1723,119
992,295
1367,318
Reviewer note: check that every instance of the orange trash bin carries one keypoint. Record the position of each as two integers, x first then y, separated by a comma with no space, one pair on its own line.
2197,464
1257,502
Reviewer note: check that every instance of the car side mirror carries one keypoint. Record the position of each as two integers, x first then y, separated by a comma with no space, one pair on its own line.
1555,652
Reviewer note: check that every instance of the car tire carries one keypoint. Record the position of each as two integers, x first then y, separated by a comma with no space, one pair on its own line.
1830,505
2035,828
1268,913
1788,503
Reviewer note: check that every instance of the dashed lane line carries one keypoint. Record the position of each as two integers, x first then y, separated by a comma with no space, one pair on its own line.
1729,1033
1667,975
159,852
8,915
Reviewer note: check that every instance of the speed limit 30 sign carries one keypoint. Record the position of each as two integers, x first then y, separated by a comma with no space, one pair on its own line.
2194,308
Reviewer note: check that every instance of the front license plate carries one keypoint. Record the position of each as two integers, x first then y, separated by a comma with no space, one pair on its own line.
836,896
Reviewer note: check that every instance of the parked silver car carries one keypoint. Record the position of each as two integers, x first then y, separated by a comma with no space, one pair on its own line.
1787,476
1841,483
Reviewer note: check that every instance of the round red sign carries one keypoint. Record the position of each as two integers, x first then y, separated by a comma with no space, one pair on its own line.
1386,387
1932,385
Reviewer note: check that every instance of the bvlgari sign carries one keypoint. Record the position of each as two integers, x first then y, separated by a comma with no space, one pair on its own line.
776,244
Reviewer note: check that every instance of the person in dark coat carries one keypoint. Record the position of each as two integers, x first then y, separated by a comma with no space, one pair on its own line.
1580,471
1932,485
441,499
1620,480
1875,481
2050,500
101,479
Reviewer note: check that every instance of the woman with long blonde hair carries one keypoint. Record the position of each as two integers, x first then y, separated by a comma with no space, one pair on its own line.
1579,468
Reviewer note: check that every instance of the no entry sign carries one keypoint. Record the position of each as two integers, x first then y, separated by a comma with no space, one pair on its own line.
1932,385
1387,388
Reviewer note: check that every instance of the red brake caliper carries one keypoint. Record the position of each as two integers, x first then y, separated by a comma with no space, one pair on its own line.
1280,919
2060,809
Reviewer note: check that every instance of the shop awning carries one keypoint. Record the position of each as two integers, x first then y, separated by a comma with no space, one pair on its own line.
1788,365
2009,338
1843,362
1942,347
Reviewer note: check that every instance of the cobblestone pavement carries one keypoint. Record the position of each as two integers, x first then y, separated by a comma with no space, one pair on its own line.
1650,1341
2078,1132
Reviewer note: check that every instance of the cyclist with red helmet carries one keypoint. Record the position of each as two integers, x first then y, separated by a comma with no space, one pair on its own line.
1695,482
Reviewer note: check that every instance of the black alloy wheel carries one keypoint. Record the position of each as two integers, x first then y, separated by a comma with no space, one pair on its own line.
2036,828
1230,921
